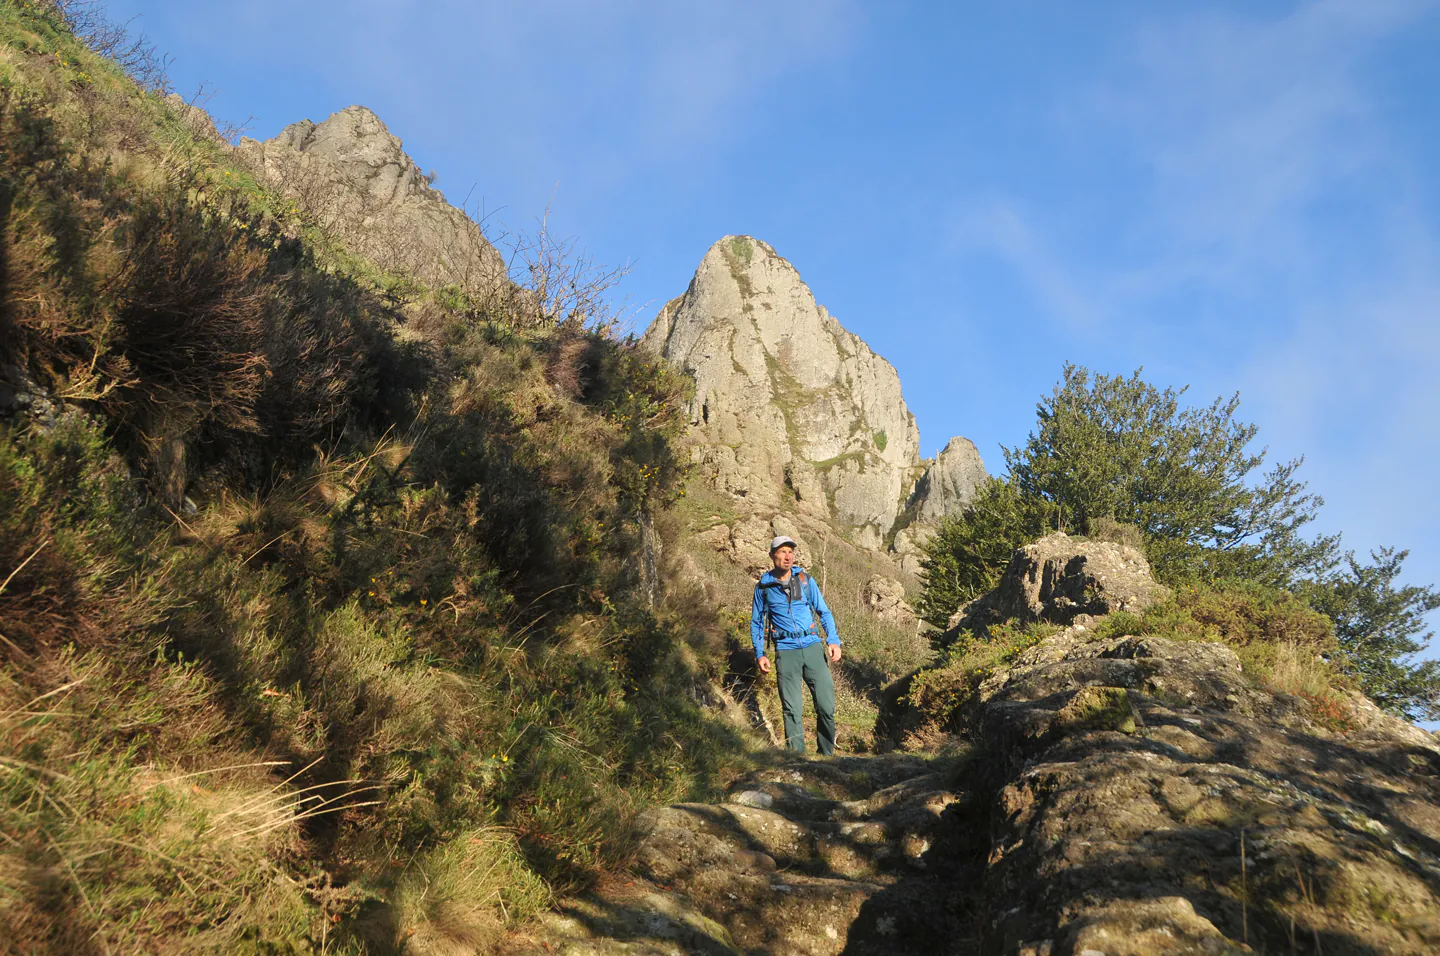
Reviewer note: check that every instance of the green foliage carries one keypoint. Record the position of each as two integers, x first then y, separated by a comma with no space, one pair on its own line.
1111,447
1243,613
1116,532
1119,624
881,439
939,694
1380,625
968,553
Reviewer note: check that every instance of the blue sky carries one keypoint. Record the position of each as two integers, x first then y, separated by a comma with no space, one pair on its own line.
1237,196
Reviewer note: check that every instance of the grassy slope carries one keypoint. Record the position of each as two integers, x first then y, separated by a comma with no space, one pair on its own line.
386,686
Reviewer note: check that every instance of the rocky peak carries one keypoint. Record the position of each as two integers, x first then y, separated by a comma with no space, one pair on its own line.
790,408
356,139
354,175
949,482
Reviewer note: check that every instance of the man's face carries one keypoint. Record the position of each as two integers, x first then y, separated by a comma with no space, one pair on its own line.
783,557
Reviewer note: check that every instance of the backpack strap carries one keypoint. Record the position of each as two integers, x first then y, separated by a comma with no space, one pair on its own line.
803,579
769,628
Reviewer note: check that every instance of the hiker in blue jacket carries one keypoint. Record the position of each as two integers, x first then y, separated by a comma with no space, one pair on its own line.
787,602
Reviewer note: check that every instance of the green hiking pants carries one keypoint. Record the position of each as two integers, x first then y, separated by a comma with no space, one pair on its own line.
806,664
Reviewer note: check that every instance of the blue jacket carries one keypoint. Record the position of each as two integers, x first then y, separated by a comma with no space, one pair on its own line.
793,622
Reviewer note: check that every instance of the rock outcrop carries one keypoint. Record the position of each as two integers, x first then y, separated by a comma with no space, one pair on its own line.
1149,797
1135,795
885,598
790,409
1059,578
354,176
949,482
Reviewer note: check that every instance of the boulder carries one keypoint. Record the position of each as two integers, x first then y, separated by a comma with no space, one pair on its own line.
907,548
1059,578
885,598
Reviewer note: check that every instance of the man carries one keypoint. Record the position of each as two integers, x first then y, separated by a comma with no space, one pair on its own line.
787,601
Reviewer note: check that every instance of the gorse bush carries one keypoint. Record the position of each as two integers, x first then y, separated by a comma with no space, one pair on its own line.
319,628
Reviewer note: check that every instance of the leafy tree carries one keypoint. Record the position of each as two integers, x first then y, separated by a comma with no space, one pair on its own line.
1381,626
966,555
1116,449
1119,448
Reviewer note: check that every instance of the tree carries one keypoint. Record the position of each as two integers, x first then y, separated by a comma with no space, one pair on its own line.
966,555
1119,448
1116,449
1381,626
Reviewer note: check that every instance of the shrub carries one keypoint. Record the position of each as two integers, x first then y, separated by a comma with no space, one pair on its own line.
939,694
189,301
1105,528
1242,613
464,892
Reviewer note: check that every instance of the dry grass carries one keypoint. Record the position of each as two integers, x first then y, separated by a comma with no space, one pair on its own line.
93,829
392,660
461,896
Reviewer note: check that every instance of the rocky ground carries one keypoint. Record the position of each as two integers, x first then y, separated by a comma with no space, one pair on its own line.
1122,795
1147,798
818,857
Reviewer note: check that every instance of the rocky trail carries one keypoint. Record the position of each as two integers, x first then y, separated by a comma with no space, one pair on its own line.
814,857
1129,794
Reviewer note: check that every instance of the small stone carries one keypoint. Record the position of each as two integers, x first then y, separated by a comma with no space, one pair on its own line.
758,799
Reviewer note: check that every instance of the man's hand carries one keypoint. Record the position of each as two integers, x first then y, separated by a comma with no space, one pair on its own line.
832,652
764,664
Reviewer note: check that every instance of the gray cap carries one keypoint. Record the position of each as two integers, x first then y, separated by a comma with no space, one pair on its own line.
779,541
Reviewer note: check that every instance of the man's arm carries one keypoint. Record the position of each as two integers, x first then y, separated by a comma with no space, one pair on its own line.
757,625
832,636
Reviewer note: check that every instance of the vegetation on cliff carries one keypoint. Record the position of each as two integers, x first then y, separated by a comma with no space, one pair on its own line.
318,604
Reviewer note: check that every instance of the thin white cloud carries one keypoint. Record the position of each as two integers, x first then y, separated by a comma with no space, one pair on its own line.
622,82
1002,228
1270,223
